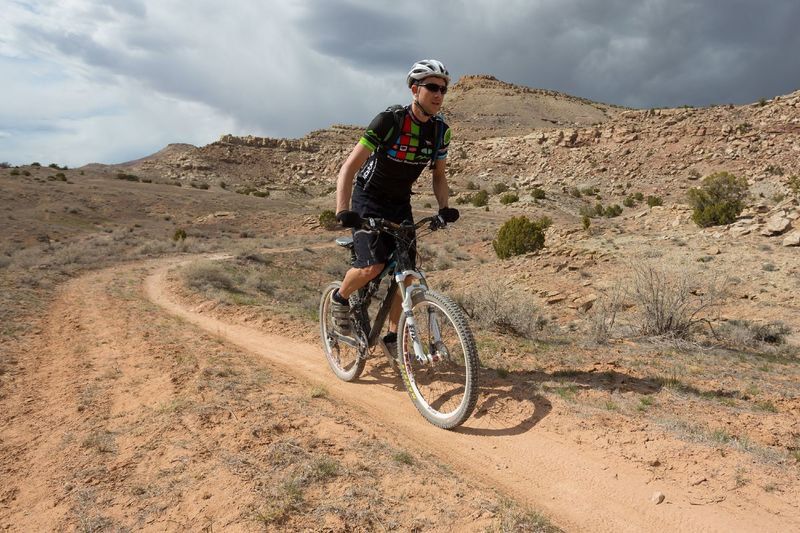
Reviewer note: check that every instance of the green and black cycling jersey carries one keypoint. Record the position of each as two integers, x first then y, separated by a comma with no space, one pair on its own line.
383,184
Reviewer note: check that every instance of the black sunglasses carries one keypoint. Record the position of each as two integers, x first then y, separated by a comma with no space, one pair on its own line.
434,87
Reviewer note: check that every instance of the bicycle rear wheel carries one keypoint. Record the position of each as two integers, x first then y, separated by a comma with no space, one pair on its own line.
343,354
443,386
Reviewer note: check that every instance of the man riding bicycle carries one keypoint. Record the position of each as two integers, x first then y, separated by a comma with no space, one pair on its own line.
385,163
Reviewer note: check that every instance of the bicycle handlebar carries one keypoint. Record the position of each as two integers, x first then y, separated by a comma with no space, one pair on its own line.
436,222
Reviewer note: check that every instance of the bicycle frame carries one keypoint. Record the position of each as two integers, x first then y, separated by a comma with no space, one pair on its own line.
399,265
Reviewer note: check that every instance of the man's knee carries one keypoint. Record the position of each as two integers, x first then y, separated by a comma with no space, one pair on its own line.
372,271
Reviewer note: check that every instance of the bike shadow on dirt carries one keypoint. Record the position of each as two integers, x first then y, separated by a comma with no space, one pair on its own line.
514,402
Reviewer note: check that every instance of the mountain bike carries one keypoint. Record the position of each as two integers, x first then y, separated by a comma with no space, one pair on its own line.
436,354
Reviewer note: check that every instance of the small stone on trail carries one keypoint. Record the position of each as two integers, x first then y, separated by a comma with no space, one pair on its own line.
657,497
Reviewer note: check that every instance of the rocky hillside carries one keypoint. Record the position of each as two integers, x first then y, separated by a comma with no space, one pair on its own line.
582,145
480,107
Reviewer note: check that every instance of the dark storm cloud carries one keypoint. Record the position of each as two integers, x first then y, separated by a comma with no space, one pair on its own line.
365,34
650,53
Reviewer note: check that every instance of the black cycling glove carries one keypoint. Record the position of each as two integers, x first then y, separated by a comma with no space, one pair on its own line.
349,219
449,214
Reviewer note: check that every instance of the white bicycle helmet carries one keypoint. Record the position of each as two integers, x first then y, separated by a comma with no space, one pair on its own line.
426,68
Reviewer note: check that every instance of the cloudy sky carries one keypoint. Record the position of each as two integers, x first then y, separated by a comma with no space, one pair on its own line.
113,80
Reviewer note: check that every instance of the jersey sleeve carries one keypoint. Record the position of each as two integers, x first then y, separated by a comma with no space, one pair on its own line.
378,131
445,143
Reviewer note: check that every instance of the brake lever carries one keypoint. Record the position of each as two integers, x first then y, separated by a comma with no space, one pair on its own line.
437,223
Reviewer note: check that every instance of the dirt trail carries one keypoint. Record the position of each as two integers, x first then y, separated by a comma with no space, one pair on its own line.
508,448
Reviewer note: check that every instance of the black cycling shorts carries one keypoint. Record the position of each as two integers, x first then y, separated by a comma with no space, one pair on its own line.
375,247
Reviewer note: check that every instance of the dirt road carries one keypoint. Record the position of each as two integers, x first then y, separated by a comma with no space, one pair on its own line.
96,424
507,449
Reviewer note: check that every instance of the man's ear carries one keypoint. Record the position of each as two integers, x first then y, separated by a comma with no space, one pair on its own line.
414,89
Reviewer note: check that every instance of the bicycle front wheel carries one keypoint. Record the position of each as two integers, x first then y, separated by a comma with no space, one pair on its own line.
343,354
443,380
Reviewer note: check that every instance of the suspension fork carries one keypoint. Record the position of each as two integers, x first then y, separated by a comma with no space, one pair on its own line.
406,294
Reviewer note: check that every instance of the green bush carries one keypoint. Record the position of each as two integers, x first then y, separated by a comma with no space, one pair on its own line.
260,194
519,235
538,193
480,198
638,197
14,172
327,219
127,177
498,188
36,164
575,192
586,221
629,201
471,186
612,211
654,201
719,199
179,235
509,198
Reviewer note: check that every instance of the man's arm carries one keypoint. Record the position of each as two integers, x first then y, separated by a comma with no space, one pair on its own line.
440,188
344,182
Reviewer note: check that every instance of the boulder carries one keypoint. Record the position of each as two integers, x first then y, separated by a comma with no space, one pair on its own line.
792,239
777,224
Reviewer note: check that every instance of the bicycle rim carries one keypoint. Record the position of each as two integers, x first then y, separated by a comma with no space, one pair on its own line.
343,358
443,389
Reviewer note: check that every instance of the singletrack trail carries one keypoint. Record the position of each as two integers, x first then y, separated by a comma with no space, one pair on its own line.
508,449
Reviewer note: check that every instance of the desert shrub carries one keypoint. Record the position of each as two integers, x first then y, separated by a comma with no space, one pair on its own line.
519,235
480,198
208,275
327,219
538,193
509,198
654,201
794,185
53,165
629,201
471,186
260,194
612,211
589,191
499,188
36,164
198,185
638,197
719,199
179,235
775,170
586,221
60,176
743,128
502,309
5,164
14,172
604,313
127,177
222,185
670,304
746,333
575,192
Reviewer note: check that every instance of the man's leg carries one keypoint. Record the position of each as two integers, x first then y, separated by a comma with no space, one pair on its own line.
355,278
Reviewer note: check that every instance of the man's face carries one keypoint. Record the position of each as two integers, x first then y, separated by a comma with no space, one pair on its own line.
428,94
